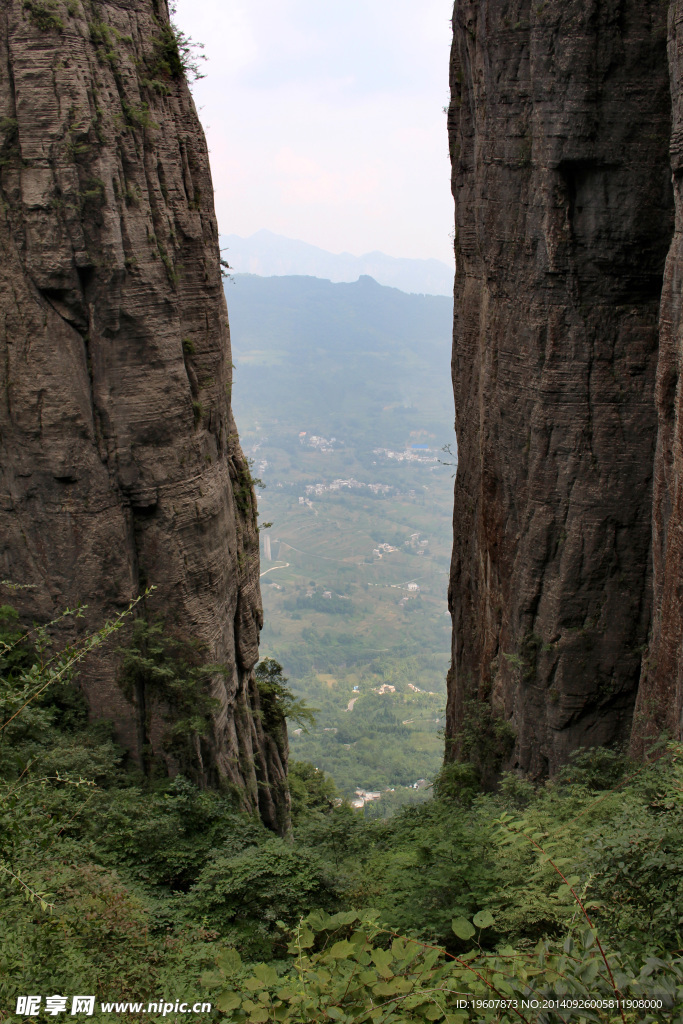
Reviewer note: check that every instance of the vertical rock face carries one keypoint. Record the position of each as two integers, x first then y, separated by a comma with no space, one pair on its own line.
120,464
559,131
660,698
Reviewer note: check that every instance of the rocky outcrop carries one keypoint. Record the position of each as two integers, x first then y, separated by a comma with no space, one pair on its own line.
120,464
660,697
559,129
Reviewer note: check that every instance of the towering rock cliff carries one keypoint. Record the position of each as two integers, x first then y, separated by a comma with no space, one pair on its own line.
120,464
559,131
660,697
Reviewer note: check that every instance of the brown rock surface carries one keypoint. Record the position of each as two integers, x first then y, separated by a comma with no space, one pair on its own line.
660,697
119,458
559,129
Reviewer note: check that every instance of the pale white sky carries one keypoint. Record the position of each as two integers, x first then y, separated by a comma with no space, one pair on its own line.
324,120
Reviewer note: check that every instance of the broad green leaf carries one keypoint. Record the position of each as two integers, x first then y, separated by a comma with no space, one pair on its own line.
228,1000
319,919
430,959
415,1000
484,919
434,1013
393,987
412,950
341,919
253,984
462,928
340,950
589,972
266,974
229,960
209,979
382,959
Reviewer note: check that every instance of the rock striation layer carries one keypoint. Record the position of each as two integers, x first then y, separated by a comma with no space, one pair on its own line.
120,464
559,129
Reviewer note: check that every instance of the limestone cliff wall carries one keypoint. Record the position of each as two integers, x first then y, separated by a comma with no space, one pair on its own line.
120,464
559,130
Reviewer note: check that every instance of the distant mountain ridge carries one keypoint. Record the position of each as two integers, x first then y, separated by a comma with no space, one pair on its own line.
347,359
269,255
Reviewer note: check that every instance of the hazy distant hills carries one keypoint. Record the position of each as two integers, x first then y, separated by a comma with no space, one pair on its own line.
268,254
356,359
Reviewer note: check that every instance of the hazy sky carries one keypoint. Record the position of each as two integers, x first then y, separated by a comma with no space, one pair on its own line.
324,120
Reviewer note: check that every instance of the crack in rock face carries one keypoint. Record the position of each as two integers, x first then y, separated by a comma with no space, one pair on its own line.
120,463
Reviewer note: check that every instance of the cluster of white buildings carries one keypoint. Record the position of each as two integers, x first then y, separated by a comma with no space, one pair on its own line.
413,589
415,544
383,549
413,454
350,485
364,796
321,444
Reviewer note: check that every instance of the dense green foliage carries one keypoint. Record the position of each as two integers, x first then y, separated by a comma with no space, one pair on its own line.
277,700
170,672
124,885
348,968
386,741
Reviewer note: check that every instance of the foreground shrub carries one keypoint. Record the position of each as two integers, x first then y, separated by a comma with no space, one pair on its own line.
128,886
349,968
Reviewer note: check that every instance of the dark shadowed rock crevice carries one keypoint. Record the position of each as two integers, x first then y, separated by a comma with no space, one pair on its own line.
120,464
559,131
